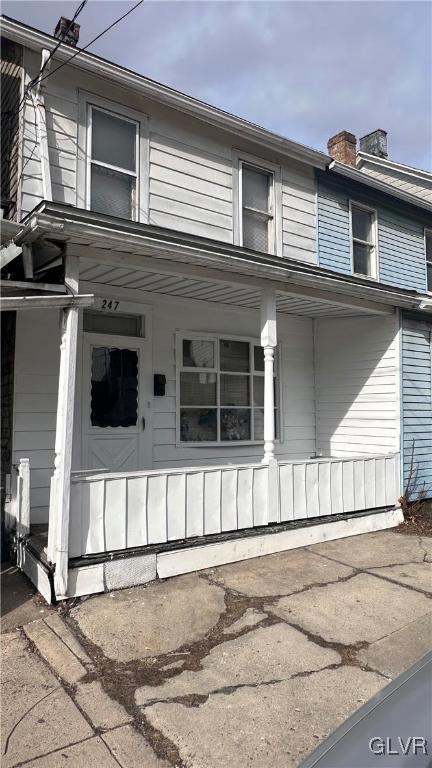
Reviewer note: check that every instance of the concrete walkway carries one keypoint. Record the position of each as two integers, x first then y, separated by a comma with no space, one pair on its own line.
250,664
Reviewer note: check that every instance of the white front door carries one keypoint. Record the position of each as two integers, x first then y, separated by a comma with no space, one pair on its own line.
116,403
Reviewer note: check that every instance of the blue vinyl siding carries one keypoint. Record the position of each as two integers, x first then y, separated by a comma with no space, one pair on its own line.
417,401
334,247
401,249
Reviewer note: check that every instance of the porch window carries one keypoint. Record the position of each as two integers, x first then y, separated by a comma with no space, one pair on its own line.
112,164
257,209
220,390
428,238
363,230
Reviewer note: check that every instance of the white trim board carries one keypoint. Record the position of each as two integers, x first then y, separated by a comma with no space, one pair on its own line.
211,555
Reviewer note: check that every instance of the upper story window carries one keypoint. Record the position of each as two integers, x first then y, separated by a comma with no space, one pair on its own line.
220,390
112,160
257,194
428,239
257,204
364,246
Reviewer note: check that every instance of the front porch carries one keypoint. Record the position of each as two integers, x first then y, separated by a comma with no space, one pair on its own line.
248,406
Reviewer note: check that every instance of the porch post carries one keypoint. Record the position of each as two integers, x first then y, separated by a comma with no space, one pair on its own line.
58,531
268,342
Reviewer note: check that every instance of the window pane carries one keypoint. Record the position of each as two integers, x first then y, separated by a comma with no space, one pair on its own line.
198,388
258,358
198,353
362,259
113,140
255,189
122,325
258,390
234,390
429,246
114,387
255,232
429,276
362,224
234,356
235,424
198,425
111,192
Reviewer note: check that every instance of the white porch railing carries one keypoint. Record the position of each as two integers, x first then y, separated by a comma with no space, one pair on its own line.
18,512
112,511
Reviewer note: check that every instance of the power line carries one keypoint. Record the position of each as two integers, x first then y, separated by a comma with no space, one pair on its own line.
37,79
81,50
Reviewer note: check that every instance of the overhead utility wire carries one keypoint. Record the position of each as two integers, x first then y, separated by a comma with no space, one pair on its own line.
81,50
37,79
40,79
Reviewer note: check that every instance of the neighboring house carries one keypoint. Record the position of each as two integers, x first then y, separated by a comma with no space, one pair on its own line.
200,374
385,233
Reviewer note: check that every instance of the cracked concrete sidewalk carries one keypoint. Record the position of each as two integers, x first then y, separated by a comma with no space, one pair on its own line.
249,664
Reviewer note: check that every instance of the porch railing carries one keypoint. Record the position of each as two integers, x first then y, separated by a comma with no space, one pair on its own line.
111,511
17,516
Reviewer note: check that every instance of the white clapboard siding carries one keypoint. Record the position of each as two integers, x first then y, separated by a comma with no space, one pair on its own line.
190,186
35,401
356,381
335,486
298,212
117,511
113,511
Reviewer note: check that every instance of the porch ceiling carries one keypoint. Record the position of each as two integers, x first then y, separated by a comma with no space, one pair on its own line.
208,290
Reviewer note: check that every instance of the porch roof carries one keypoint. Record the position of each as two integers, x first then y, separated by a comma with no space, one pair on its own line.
148,249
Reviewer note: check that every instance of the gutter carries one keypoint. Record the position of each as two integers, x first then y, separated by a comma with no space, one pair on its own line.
63,222
126,78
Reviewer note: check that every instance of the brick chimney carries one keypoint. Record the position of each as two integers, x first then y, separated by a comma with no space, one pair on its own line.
72,36
375,143
342,148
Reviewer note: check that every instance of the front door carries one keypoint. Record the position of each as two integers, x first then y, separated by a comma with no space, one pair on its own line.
116,403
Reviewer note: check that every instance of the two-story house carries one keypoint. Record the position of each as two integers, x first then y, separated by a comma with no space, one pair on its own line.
207,361
382,230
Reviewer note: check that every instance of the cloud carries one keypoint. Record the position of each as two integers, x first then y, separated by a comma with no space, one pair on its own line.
304,69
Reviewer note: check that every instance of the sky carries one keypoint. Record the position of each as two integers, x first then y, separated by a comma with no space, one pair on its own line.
306,70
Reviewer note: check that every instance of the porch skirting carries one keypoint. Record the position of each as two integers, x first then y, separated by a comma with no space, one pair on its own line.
126,569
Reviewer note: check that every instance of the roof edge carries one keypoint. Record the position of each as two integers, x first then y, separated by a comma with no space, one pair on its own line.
355,174
408,170
90,62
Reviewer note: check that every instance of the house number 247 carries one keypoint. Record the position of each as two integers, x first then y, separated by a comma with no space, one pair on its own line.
110,304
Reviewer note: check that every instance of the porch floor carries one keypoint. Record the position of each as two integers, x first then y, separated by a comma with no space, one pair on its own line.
38,541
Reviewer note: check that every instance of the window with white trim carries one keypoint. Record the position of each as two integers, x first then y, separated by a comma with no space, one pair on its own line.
428,246
363,233
257,208
220,390
112,163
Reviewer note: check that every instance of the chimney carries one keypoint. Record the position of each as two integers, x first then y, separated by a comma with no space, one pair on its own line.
66,35
342,148
375,143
